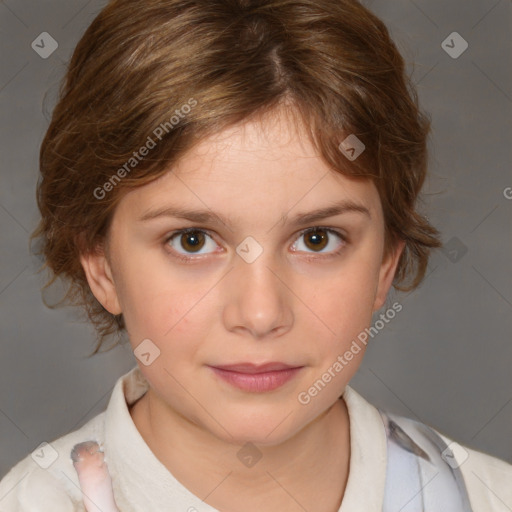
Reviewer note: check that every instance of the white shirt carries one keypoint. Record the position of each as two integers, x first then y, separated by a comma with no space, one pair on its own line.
143,484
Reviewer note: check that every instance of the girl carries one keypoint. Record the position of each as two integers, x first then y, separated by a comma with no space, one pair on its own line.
234,184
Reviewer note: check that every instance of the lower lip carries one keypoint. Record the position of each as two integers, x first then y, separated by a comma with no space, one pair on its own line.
257,382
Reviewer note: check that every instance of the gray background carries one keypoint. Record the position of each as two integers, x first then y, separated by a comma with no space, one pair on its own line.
445,359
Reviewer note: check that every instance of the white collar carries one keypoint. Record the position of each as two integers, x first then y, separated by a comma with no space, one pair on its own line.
140,478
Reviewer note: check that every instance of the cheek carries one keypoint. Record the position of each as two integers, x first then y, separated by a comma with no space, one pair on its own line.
344,304
170,308
346,298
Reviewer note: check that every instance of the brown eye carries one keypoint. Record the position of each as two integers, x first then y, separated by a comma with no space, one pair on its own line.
320,240
316,240
192,241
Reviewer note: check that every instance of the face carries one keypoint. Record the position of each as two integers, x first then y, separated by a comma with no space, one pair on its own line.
280,269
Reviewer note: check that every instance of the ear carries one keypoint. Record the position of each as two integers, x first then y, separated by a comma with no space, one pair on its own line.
387,273
99,276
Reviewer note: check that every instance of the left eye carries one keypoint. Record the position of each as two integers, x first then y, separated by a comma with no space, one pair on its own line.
317,239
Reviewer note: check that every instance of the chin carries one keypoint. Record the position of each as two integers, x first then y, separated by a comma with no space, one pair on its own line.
265,426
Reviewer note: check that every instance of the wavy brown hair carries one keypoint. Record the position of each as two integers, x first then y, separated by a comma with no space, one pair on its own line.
141,61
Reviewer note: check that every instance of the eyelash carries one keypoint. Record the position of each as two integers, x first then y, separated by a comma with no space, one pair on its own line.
342,236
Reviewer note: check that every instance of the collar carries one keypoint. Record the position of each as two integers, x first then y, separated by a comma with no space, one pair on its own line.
143,483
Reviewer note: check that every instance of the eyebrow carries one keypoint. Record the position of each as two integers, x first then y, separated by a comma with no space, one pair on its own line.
208,216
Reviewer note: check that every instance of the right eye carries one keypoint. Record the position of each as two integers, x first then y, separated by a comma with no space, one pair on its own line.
191,241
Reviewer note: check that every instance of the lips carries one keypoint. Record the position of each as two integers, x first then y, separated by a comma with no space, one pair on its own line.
255,368
256,378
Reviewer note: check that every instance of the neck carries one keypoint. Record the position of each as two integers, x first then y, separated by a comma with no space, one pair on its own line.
307,471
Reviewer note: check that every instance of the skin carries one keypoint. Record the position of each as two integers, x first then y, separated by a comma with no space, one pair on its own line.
94,478
295,304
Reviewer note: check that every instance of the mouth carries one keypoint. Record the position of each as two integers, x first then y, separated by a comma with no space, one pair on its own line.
256,378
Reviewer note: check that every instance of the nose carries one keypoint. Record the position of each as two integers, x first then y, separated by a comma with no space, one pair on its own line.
258,302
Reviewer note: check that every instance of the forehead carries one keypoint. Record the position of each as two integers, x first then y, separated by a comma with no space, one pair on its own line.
276,135
266,165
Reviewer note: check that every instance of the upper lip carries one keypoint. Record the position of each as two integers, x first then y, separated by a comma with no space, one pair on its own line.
255,368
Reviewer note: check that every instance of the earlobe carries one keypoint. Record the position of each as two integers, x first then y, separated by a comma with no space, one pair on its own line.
387,274
99,276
